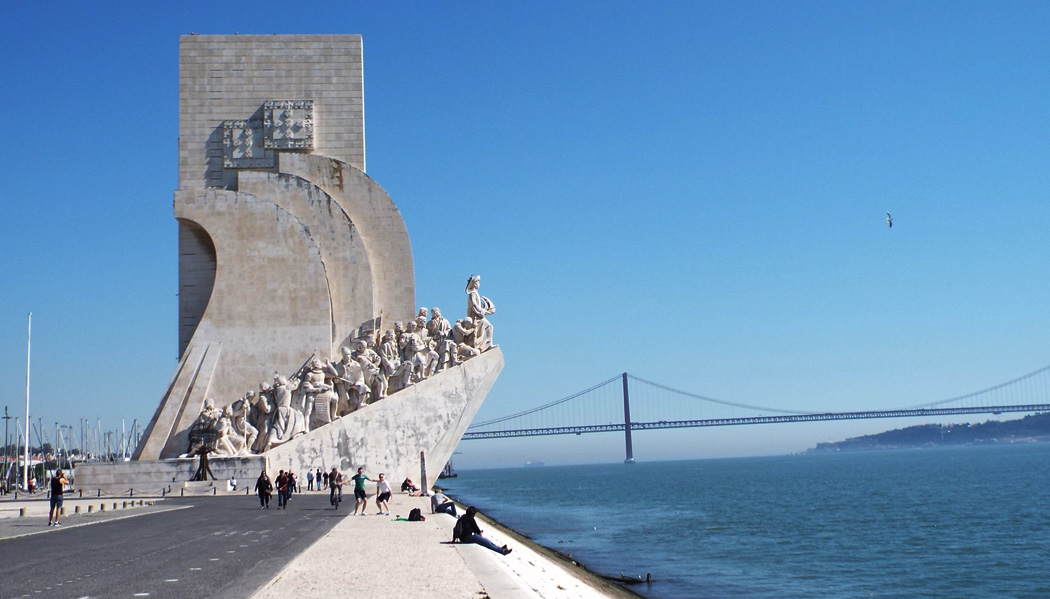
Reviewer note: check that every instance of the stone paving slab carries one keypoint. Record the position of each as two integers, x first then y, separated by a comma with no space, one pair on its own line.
377,557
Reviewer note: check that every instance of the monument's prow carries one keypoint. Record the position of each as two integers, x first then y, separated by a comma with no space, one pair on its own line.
287,247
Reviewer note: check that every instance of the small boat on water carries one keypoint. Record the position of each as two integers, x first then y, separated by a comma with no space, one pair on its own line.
447,471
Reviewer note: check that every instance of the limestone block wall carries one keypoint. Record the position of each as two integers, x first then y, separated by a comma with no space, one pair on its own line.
150,477
196,277
270,302
228,77
377,218
343,254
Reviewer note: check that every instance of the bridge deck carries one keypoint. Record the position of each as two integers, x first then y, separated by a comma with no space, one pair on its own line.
664,424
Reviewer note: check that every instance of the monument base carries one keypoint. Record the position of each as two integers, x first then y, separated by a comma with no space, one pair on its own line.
156,477
389,436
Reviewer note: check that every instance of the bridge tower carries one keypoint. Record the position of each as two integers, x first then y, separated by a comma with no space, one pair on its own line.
627,422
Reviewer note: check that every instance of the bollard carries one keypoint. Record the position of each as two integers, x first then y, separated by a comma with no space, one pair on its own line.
140,502
124,505
214,490
91,508
114,506
101,507
162,492
182,492
100,492
76,509
21,512
62,511
80,492
247,491
132,493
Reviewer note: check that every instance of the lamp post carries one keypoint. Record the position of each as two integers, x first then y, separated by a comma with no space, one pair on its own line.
29,347
7,417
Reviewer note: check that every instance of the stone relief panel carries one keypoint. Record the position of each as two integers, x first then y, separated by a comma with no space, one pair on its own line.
289,124
243,145
286,125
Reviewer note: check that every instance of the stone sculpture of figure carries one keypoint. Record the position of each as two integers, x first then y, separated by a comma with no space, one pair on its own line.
349,381
225,445
441,342
463,335
371,369
421,328
287,422
422,312
417,354
318,399
203,431
243,431
397,372
478,307
263,413
404,337
438,328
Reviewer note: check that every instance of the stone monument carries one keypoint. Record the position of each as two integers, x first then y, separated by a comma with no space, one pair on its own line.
289,256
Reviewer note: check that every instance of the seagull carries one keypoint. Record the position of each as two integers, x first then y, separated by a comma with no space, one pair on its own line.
889,220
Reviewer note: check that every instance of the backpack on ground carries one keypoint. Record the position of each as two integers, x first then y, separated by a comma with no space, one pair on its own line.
415,515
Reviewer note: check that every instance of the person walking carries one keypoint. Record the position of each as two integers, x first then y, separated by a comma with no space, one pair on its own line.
326,477
309,480
264,487
282,490
58,483
359,492
334,481
383,495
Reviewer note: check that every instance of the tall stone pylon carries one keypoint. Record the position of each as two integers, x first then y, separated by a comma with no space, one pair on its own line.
286,246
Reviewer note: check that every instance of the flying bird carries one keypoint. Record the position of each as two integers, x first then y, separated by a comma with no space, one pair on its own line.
889,220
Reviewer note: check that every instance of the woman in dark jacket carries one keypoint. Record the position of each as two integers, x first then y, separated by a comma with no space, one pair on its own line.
264,487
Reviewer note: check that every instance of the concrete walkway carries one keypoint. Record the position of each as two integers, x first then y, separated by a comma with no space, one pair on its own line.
372,556
378,557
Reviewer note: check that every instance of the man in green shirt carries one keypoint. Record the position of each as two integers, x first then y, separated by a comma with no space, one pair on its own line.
359,491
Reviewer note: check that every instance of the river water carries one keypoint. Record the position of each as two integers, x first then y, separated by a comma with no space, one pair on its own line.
945,523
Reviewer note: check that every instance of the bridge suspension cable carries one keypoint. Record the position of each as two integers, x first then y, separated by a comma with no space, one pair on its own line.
597,409
716,401
1000,387
545,406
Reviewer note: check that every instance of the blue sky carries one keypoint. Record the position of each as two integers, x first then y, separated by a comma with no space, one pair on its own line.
692,192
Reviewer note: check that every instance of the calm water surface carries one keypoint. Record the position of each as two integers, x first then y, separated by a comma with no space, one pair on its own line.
936,523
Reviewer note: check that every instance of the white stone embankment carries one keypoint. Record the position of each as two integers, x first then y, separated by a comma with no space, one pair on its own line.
378,557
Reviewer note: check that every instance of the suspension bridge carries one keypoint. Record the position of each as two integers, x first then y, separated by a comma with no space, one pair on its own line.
599,409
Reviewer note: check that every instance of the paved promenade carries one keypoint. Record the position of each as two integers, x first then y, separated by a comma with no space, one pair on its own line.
378,557
339,555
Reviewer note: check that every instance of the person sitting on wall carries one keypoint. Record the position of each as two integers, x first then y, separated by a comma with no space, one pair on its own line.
408,487
441,504
467,531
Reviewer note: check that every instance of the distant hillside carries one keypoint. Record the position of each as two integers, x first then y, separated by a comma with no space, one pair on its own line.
1030,429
